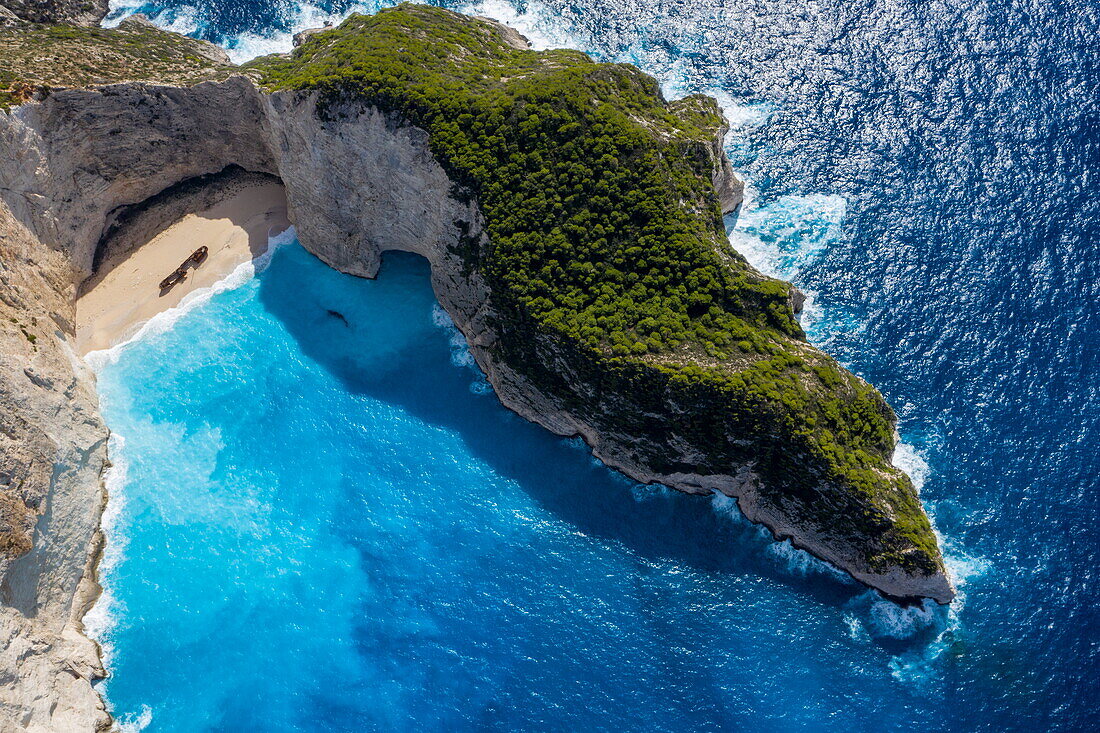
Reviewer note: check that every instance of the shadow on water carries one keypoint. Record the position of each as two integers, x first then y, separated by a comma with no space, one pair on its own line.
419,377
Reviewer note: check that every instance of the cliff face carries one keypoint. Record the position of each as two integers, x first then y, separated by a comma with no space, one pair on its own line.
360,180
52,454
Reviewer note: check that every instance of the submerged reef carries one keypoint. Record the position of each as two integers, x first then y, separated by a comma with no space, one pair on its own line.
573,221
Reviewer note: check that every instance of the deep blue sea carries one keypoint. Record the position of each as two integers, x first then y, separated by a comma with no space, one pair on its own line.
330,524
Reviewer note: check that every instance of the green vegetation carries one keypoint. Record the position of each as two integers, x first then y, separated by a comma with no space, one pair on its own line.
34,57
32,338
607,247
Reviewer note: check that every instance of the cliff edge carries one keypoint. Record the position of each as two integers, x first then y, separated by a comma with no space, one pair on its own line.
615,307
573,221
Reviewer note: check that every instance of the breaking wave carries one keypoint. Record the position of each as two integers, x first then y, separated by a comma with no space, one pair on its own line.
460,350
134,723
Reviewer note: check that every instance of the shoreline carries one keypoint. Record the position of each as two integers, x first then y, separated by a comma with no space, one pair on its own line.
124,294
91,616
122,299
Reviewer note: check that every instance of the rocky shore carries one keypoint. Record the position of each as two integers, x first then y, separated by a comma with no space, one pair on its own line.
359,180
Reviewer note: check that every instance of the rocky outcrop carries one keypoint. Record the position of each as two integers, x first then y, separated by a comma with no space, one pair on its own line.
77,12
359,181
203,49
301,36
362,182
730,188
510,35
52,454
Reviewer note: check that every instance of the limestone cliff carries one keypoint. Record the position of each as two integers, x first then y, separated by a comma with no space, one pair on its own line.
361,178
52,454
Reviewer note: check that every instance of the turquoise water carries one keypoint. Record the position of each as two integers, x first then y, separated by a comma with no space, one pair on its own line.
322,519
921,169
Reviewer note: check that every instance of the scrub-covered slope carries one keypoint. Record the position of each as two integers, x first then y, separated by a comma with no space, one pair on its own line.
34,58
614,291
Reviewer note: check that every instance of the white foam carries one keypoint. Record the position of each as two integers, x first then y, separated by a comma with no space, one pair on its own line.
537,24
101,617
872,616
440,317
184,20
461,355
247,46
542,27
119,10
799,562
782,237
887,619
576,443
910,460
785,236
742,116
961,567
649,492
133,723
164,321
787,558
920,665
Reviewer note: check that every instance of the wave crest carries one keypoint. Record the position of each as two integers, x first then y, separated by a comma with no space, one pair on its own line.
461,355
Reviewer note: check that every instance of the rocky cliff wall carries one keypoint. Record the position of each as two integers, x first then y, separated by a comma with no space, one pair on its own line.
78,12
80,154
358,182
52,455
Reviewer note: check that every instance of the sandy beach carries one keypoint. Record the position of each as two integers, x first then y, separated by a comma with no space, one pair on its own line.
125,293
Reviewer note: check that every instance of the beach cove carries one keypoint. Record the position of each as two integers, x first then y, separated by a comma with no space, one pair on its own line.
311,475
321,518
114,305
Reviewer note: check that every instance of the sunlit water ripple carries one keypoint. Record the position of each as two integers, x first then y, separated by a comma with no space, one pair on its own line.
920,169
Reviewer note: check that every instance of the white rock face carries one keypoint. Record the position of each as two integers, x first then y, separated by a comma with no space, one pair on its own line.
358,183
52,455
67,163
80,154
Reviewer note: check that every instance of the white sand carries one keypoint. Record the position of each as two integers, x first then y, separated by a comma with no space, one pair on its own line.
235,231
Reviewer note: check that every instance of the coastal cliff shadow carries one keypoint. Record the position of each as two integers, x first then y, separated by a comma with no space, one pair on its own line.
420,377
131,226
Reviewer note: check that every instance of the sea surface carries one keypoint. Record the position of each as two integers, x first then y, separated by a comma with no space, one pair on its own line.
321,519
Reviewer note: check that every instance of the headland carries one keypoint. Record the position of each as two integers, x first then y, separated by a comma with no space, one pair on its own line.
572,218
